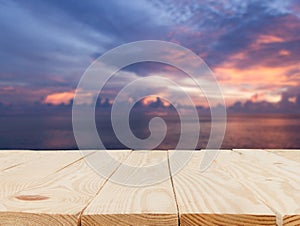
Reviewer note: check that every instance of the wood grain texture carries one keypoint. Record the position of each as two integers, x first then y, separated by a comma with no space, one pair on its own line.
10,159
274,179
293,155
32,219
118,204
242,187
291,220
18,178
213,197
57,199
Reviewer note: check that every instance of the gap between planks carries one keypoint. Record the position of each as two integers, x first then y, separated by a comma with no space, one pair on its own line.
277,161
213,197
81,213
131,204
55,196
276,182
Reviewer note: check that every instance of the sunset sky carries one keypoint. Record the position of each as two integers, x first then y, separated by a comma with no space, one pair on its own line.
252,46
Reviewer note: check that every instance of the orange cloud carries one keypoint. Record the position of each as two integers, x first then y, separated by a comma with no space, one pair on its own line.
151,99
258,72
267,39
256,75
292,99
59,98
284,52
274,78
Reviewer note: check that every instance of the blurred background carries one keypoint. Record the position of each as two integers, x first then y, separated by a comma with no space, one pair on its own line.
252,46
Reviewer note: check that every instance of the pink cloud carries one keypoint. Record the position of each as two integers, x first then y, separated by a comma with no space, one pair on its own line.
59,98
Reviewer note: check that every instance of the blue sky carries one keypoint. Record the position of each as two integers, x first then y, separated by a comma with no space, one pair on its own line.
252,46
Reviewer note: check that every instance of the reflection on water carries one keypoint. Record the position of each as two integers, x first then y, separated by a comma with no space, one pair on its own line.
243,131
263,131
38,132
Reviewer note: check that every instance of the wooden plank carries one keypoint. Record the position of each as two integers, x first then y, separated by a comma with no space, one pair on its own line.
293,155
56,199
242,187
31,219
18,178
275,180
291,220
280,164
215,198
118,204
11,158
